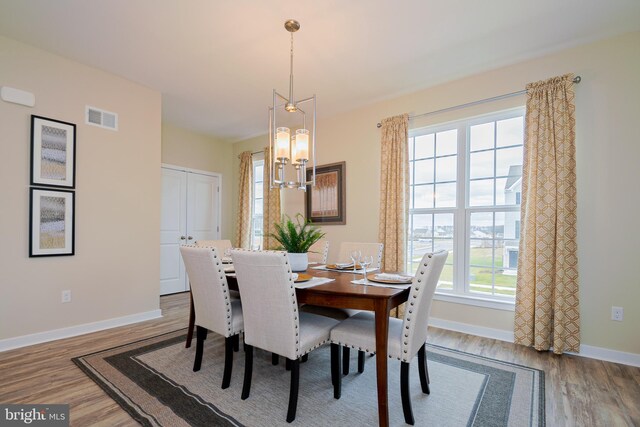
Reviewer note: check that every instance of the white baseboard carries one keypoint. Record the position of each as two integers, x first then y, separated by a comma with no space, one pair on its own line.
589,351
608,355
465,328
72,331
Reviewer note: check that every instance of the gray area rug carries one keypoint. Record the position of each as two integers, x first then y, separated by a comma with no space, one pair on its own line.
153,380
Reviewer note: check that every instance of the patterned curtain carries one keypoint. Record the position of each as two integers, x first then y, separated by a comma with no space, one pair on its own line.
394,192
271,205
245,185
547,305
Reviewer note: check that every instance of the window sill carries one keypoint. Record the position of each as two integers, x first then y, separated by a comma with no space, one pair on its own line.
495,304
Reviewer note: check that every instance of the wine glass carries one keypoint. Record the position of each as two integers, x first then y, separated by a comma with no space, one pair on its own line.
365,262
355,257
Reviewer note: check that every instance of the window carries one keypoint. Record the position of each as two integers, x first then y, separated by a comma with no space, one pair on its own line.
257,205
465,186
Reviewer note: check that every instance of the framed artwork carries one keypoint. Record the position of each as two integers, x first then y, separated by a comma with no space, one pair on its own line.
53,153
326,203
51,222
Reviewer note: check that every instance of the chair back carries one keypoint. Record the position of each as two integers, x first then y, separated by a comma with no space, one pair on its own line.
209,289
319,251
221,245
416,312
367,249
269,301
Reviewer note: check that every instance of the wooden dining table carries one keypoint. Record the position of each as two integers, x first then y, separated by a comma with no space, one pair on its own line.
341,293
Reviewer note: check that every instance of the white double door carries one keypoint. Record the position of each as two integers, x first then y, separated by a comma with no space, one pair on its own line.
190,212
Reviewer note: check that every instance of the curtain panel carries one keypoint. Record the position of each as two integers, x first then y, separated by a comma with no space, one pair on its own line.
245,186
547,303
394,191
272,208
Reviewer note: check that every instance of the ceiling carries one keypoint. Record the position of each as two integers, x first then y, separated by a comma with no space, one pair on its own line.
216,61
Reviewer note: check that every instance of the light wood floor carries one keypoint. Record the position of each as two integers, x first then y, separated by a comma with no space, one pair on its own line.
579,391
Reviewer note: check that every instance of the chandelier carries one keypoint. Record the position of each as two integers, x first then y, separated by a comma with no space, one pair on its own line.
291,140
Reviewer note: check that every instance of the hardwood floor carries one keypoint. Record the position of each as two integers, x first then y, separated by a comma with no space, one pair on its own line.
579,391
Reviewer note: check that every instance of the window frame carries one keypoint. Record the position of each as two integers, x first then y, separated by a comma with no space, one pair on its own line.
461,268
256,162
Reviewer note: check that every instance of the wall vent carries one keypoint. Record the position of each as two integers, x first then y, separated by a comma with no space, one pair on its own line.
101,118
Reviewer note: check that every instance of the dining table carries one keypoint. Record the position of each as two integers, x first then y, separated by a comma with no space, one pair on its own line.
341,293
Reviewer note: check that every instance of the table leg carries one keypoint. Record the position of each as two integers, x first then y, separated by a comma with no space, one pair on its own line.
382,341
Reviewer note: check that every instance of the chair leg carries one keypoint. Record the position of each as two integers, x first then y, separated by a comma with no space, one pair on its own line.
404,392
293,391
360,361
192,322
346,354
304,358
423,369
201,335
229,343
287,364
236,343
336,378
275,359
248,371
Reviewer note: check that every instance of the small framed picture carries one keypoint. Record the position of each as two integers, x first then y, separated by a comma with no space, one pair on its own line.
52,222
53,153
326,202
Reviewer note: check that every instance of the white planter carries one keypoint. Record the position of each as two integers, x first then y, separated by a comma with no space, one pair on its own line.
299,262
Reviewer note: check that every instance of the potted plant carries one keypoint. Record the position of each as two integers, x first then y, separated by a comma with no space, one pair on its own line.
296,238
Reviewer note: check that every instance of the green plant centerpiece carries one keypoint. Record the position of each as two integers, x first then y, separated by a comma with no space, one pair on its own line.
296,238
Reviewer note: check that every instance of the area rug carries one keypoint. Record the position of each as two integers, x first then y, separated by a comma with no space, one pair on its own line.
153,381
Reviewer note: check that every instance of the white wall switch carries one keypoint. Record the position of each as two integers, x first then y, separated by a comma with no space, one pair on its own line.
66,296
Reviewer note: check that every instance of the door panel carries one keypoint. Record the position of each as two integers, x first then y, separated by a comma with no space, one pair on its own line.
173,222
202,207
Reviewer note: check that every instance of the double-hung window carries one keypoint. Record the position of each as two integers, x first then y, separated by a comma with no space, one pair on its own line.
465,186
257,204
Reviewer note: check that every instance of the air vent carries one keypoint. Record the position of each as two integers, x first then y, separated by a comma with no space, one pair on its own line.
101,118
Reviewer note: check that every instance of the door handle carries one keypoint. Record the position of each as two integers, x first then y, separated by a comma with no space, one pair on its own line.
190,238
183,237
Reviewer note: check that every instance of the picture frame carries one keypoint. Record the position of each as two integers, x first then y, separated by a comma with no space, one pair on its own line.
326,202
53,153
51,222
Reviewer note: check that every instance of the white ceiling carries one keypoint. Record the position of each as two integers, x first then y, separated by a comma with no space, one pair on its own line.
216,61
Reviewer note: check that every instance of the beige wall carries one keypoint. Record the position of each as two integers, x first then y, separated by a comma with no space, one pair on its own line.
181,147
607,108
116,270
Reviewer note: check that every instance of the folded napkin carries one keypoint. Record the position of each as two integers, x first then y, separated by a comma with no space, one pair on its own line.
394,277
315,281
382,285
344,264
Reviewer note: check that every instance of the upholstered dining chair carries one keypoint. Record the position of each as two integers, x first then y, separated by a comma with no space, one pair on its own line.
222,246
319,251
272,319
407,337
215,309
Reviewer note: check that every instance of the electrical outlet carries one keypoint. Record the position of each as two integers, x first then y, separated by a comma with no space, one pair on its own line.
617,314
66,296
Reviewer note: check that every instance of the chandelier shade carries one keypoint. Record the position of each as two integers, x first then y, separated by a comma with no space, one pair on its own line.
296,148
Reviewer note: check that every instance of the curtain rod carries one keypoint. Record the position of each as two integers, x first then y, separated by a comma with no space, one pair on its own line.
254,152
576,79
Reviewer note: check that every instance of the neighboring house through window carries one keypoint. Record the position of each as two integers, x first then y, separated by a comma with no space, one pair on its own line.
465,185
